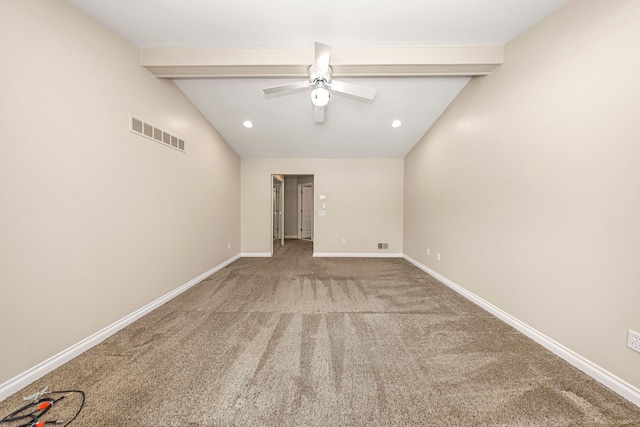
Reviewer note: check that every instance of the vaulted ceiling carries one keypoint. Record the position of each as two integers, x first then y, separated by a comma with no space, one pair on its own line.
417,55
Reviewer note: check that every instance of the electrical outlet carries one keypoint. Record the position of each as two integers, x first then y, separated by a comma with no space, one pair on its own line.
633,340
228,245
438,256
344,241
428,252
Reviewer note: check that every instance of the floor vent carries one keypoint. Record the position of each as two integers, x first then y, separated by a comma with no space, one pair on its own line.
149,131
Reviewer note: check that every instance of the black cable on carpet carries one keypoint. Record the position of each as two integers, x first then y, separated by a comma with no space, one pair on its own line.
32,414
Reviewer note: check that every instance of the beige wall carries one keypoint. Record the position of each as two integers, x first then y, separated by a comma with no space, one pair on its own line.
528,184
96,222
363,203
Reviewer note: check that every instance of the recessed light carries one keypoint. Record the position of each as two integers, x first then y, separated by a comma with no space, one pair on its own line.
396,123
247,124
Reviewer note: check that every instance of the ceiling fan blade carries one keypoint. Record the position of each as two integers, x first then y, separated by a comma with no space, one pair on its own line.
323,56
318,114
285,88
354,90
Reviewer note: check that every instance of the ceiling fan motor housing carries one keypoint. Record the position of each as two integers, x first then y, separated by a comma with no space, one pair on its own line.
316,76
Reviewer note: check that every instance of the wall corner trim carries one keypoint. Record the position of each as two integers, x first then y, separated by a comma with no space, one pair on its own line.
599,374
29,376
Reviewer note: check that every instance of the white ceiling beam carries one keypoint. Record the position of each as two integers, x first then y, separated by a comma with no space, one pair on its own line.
212,62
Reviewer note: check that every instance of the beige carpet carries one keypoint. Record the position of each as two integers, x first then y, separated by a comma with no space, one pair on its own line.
299,341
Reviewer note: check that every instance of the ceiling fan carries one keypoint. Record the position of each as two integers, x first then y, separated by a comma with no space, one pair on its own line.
321,84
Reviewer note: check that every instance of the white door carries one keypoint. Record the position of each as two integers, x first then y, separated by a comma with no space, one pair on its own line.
306,212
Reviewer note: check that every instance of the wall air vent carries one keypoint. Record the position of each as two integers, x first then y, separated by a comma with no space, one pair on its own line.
142,128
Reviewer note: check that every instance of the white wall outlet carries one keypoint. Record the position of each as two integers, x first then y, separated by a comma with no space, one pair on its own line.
229,245
344,241
633,340
438,256
428,252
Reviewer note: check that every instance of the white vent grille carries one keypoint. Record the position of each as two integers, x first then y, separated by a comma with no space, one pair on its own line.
136,125
142,128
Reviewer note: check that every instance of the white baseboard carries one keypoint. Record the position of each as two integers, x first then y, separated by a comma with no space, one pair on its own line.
356,255
255,254
601,375
29,376
290,236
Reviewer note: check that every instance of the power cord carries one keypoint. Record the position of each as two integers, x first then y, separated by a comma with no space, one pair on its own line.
32,413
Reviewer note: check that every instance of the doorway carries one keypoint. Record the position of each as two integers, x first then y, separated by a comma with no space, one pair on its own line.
292,214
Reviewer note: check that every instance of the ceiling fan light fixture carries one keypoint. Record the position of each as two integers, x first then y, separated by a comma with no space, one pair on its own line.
320,97
321,85
396,124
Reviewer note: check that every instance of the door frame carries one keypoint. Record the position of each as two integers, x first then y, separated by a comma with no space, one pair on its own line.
280,179
300,186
